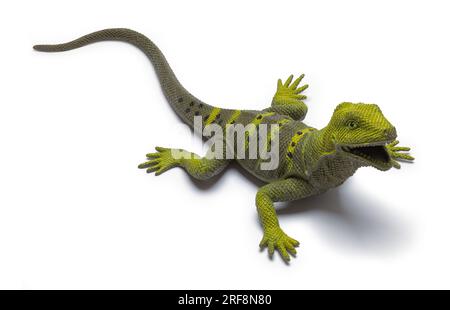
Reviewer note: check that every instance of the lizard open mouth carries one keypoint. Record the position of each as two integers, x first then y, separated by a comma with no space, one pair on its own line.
374,154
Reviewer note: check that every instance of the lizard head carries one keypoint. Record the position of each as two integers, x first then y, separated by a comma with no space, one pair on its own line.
361,132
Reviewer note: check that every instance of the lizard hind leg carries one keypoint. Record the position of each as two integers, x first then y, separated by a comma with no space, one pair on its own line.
201,168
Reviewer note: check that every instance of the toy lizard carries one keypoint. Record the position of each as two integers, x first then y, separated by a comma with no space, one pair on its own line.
311,161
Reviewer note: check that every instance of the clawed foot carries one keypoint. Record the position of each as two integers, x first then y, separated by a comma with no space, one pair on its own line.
395,154
288,93
275,238
159,162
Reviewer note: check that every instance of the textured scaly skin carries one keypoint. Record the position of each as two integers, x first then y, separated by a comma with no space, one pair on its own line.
311,160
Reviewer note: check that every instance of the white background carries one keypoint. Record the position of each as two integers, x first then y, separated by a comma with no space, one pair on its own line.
75,212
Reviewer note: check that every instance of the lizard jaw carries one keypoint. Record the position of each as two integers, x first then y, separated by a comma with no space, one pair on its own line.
373,154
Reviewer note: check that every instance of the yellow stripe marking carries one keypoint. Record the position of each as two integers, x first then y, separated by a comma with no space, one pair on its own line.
256,121
234,116
212,116
283,121
295,140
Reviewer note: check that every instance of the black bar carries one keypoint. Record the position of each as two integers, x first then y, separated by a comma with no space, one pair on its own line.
211,299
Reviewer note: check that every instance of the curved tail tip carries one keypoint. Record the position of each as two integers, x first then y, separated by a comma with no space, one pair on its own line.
43,48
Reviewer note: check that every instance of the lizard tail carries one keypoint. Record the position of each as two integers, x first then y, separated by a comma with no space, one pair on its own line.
186,105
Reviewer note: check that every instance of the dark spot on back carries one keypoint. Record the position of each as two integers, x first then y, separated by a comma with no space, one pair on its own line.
289,154
180,100
299,133
191,104
200,105
188,110
293,144
259,117
197,113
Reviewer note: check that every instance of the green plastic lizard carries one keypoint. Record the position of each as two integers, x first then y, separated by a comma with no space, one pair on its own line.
310,161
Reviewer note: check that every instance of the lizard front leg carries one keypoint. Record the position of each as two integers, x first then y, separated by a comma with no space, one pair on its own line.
281,190
397,153
201,168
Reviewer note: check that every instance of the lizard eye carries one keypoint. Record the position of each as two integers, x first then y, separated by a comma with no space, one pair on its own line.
352,124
